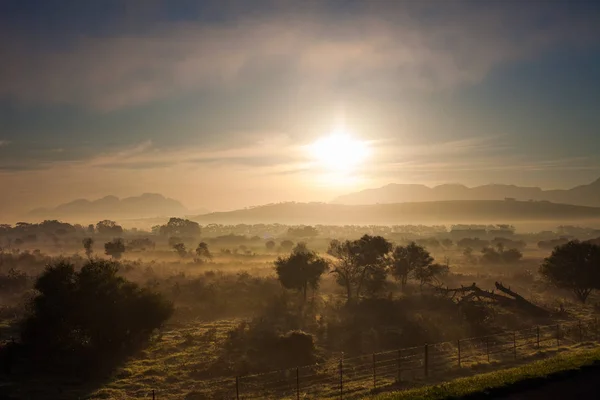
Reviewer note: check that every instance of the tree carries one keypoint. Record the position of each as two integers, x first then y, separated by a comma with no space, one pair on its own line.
87,245
180,249
108,227
301,269
202,253
574,266
180,227
89,318
406,259
115,248
270,245
426,274
360,264
500,255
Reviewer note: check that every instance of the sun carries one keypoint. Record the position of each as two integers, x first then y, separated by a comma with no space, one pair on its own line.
339,152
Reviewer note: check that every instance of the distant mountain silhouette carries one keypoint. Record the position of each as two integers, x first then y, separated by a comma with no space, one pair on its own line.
585,195
111,207
439,212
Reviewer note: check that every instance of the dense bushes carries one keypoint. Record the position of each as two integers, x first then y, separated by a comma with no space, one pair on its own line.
85,321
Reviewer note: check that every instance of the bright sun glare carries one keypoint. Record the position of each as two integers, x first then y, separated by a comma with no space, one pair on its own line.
339,151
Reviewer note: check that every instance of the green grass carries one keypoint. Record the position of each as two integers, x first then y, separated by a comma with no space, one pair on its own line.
505,380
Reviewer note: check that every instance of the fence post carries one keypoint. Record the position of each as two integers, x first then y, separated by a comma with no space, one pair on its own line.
487,348
537,328
459,360
341,378
515,344
580,331
557,335
426,360
297,383
374,373
237,388
399,365
152,394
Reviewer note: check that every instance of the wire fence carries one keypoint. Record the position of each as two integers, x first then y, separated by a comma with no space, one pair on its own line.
356,377
349,378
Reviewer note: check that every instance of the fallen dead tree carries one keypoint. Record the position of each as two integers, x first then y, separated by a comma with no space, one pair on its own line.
511,299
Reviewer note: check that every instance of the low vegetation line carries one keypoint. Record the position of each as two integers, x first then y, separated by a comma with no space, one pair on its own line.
504,382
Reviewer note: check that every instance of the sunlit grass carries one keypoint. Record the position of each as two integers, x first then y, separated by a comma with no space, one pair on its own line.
174,364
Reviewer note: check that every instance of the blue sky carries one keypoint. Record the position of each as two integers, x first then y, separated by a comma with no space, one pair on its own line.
214,102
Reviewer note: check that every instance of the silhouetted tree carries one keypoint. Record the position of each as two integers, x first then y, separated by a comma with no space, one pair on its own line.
574,266
500,255
426,274
301,269
406,259
180,227
203,253
91,229
108,227
89,319
115,248
180,249
87,245
360,264
270,245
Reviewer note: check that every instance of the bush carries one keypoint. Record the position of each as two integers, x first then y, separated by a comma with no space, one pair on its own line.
89,318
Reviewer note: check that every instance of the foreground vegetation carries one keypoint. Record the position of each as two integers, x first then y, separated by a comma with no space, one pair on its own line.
502,382
213,302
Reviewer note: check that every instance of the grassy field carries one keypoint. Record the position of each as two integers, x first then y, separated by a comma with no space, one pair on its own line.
503,381
175,365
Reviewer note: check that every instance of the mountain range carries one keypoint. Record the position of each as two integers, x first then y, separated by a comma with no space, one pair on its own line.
436,212
111,207
584,195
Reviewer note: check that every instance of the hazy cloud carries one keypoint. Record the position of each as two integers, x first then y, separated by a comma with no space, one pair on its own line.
369,49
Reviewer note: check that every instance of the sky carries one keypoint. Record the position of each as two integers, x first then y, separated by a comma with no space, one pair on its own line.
219,103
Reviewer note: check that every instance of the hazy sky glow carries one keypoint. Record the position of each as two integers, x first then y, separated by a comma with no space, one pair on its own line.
216,104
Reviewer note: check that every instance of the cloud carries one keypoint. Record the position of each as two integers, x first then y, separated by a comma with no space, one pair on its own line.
365,50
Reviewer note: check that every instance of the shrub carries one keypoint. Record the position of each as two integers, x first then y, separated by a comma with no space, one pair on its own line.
89,318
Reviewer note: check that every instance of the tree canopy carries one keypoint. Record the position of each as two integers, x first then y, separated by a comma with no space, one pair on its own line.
410,258
180,227
574,266
361,264
89,318
115,248
301,269
108,227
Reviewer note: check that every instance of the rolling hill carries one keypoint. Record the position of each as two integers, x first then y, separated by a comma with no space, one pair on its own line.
460,211
111,207
584,195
